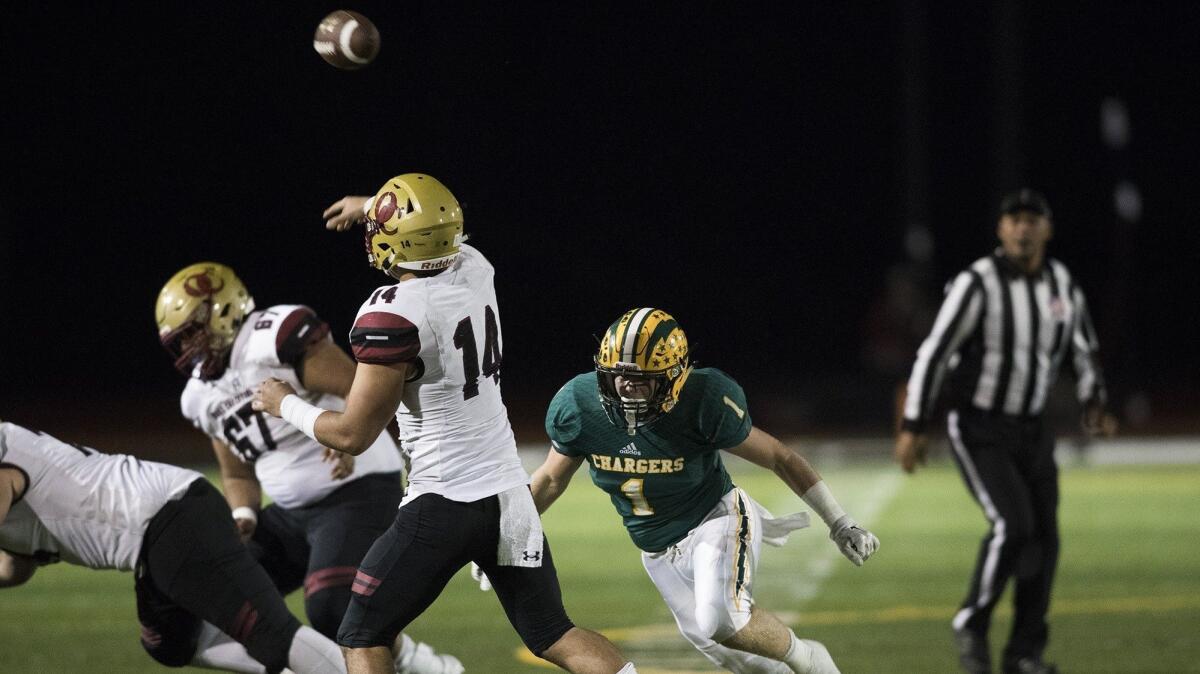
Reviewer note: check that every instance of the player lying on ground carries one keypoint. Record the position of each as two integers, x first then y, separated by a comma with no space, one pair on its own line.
169,526
323,520
429,350
650,427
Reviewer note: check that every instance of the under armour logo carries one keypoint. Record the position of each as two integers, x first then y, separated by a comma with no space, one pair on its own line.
531,556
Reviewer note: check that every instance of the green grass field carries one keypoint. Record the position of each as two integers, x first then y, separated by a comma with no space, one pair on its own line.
1127,597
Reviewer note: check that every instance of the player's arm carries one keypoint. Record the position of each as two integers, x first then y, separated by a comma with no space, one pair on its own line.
374,395
763,449
346,212
242,489
327,369
14,569
550,480
12,488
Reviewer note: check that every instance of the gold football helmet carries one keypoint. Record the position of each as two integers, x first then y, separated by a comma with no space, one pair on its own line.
414,223
199,312
644,344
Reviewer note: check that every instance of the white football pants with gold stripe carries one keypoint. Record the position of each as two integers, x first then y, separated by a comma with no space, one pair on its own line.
707,578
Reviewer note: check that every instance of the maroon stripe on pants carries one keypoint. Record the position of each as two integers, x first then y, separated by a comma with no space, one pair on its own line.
365,585
151,637
334,576
244,622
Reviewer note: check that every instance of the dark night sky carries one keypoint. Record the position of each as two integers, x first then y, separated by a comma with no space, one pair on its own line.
741,167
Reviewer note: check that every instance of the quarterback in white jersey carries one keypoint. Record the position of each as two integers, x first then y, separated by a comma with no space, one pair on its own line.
67,502
453,424
322,520
429,351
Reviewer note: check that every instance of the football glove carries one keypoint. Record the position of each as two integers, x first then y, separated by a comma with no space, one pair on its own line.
855,542
480,577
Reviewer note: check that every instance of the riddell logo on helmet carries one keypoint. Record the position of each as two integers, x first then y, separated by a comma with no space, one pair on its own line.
437,264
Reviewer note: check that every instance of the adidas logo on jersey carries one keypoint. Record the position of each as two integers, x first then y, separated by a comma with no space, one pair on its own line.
630,449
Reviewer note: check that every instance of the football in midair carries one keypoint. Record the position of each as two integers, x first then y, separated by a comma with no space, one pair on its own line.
347,40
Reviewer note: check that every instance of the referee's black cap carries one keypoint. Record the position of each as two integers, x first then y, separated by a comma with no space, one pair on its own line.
1024,199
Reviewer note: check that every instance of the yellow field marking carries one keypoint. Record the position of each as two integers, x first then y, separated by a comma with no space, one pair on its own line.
893,614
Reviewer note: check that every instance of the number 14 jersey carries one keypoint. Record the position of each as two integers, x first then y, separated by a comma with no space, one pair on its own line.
453,423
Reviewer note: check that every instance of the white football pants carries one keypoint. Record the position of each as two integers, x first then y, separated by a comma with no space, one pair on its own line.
707,578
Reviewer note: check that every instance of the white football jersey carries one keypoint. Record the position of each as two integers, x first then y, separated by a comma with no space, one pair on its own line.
453,424
83,506
272,343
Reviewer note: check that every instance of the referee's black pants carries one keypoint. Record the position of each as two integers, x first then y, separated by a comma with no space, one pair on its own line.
1008,464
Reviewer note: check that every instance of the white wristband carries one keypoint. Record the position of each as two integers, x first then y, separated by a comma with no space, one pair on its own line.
300,414
245,513
367,206
821,500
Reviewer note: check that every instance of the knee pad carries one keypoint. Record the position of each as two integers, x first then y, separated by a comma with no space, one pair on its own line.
714,622
172,650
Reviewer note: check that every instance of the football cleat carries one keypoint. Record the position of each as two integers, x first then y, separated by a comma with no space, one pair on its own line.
973,654
417,657
1030,666
645,345
413,224
199,312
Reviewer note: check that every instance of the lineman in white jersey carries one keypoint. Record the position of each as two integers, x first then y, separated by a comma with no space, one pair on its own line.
322,520
169,526
429,352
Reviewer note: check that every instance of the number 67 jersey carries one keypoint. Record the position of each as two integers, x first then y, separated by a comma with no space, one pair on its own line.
287,463
453,423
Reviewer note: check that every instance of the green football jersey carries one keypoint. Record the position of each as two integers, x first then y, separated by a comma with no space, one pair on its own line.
667,477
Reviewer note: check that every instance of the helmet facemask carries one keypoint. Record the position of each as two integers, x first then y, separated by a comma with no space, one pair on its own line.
634,413
196,351
648,347
199,313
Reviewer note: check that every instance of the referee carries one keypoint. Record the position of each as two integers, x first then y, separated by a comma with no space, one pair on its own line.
1007,323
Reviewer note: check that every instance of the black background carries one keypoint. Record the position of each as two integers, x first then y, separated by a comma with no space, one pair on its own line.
744,167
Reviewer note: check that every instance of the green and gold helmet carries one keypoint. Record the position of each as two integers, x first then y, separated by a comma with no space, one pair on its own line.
413,223
648,345
199,312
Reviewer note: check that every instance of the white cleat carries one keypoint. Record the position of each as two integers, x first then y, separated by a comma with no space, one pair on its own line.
420,658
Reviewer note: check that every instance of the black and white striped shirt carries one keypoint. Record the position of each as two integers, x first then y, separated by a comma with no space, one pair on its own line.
1000,337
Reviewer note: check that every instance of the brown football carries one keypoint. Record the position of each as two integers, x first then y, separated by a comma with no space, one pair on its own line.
347,40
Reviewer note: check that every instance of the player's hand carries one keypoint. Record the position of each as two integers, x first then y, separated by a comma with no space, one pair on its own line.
910,450
1097,421
343,463
245,528
269,394
480,577
345,213
855,542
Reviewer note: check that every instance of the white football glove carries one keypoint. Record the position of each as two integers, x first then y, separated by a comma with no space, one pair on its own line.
480,577
855,542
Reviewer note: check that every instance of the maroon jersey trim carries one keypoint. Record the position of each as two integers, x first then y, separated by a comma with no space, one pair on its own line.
381,338
299,331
